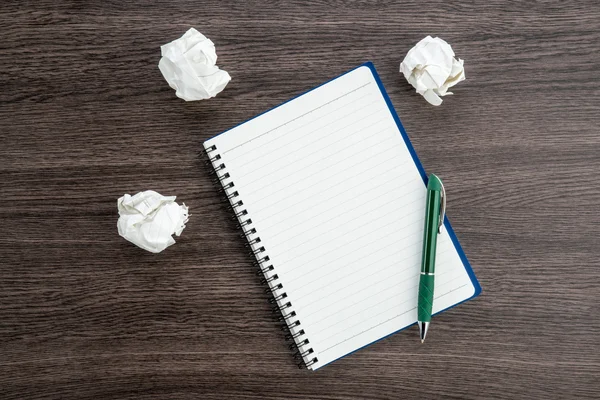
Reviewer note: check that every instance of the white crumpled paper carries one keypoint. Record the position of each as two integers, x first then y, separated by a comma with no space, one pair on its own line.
149,220
431,68
188,65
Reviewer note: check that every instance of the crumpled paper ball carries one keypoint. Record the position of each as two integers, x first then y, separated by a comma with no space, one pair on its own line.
149,220
430,67
189,66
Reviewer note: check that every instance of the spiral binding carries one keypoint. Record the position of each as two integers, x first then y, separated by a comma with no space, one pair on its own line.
278,297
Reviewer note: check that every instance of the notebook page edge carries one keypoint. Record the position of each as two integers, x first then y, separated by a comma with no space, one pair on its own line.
210,141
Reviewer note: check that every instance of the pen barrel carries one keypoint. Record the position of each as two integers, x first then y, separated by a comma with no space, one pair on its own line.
430,233
425,302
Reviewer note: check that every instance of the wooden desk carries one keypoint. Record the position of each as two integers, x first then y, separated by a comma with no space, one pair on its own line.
86,116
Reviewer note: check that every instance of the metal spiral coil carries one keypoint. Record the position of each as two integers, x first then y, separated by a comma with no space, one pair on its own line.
291,326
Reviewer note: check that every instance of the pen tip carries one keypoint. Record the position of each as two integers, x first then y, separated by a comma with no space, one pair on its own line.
422,341
423,329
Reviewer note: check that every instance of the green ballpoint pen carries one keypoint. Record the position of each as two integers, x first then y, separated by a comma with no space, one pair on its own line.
434,219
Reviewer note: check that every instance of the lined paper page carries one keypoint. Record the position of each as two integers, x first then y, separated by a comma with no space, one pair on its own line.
338,203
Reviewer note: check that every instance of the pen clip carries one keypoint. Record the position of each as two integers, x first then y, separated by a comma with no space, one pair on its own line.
442,209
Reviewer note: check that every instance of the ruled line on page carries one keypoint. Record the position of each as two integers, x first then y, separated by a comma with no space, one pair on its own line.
381,323
362,321
259,189
369,222
358,275
354,250
286,155
336,205
414,277
364,171
382,279
335,228
304,136
298,117
388,267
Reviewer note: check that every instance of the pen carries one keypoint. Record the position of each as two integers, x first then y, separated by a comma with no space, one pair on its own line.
434,219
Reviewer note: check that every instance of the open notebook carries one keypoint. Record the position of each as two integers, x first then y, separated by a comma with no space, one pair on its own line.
331,197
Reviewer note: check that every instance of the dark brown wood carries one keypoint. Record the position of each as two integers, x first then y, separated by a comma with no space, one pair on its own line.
86,116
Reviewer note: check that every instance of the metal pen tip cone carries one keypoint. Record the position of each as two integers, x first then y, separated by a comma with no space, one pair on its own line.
423,326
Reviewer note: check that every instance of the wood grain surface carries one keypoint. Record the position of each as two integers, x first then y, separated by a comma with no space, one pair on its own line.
85,116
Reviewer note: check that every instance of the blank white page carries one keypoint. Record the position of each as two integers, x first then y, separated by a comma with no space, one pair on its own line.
329,186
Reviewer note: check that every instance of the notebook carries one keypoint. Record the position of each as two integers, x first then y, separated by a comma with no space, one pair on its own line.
330,195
